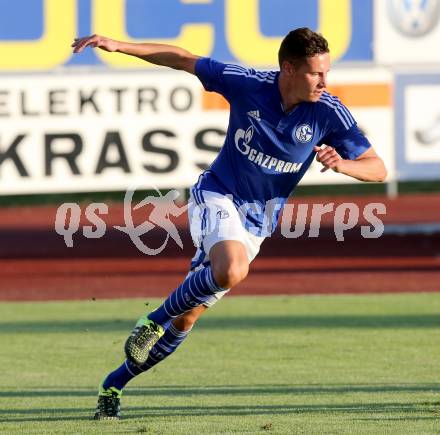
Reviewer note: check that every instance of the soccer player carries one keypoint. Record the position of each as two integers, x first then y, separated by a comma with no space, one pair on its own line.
279,122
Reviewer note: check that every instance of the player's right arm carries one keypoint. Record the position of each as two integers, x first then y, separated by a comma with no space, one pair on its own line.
158,54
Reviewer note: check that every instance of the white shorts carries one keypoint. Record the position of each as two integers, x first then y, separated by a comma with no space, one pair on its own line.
214,218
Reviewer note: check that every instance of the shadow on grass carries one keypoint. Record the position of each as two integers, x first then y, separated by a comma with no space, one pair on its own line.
232,323
405,418
232,390
29,415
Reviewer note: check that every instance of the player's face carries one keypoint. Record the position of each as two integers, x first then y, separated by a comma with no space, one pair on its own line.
308,80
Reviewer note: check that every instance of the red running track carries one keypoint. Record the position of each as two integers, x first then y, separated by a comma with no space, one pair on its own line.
35,264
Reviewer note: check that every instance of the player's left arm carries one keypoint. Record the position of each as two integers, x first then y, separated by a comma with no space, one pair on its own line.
366,167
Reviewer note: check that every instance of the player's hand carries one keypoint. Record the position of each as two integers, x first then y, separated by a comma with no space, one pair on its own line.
328,157
95,41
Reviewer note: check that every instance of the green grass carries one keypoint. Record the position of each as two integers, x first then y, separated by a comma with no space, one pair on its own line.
297,365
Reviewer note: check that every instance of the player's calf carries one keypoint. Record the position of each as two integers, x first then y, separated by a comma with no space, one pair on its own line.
187,320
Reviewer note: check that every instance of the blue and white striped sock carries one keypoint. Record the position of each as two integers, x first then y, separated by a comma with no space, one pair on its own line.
166,345
194,291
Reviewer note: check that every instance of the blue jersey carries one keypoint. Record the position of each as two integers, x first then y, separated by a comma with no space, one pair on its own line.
266,150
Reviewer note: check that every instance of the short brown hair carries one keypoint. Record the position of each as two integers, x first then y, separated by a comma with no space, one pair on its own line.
301,43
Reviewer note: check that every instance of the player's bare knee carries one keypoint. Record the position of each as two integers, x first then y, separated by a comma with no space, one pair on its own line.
231,274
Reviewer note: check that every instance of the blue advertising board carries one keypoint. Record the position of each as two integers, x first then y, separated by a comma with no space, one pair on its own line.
36,34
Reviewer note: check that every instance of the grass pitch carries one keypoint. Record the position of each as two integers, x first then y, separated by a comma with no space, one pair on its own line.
291,365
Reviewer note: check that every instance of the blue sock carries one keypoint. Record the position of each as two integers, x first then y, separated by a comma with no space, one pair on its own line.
166,345
119,378
194,291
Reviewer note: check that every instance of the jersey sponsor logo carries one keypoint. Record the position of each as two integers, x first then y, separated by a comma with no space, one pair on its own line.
242,140
254,114
414,18
304,133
